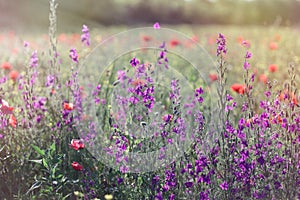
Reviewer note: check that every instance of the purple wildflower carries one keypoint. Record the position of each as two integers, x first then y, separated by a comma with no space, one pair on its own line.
228,97
189,184
50,80
163,45
134,62
199,91
172,196
252,77
121,75
246,65
73,55
120,180
85,37
248,55
3,80
224,185
221,41
26,44
156,25
34,59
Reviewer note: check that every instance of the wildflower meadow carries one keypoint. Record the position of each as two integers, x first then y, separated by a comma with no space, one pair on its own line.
152,113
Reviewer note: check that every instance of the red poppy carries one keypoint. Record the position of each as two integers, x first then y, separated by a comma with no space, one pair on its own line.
240,39
284,96
277,120
7,110
82,93
77,144
277,37
293,98
62,38
85,117
212,40
12,121
194,38
75,37
213,77
174,43
15,51
249,121
77,166
273,68
146,38
13,75
273,46
255,71
53,91
238,88
263,78
6,66
68,106
138,82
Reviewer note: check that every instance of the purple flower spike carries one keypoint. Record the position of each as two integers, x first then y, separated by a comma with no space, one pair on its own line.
221,41
73,55
34,59
85,37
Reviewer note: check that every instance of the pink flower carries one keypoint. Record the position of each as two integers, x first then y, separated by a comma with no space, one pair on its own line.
77,144
156,26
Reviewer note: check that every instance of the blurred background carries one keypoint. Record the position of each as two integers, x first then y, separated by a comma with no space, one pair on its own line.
30,15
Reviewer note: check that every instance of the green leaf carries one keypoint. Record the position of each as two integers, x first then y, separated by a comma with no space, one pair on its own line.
38,150
59,176
45,164
52,148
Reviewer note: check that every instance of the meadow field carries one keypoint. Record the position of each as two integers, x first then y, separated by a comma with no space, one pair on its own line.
79,116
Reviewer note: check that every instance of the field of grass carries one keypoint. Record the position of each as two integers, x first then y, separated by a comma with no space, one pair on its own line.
72,125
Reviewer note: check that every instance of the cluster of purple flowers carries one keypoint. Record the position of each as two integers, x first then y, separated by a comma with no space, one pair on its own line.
85,37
